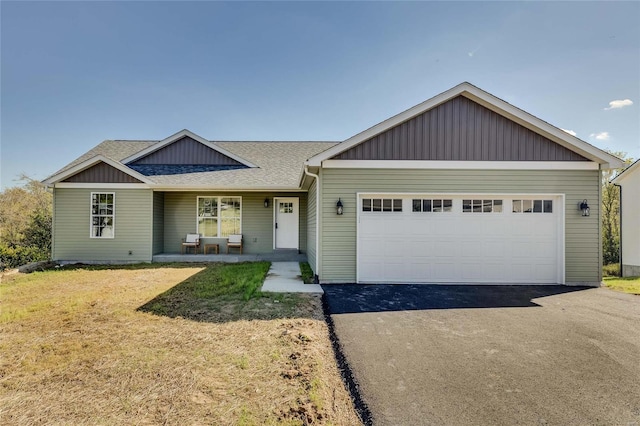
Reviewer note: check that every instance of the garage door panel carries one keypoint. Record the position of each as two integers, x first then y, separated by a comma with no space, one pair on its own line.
459,246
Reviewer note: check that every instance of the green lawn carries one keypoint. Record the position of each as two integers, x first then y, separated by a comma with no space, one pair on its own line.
627,285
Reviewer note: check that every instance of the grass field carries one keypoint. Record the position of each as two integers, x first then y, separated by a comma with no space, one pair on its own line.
626,285
178,344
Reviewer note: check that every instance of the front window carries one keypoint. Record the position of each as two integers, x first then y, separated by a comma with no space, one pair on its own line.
219,216
102,215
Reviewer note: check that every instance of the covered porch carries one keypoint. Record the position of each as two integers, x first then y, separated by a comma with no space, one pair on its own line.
273,225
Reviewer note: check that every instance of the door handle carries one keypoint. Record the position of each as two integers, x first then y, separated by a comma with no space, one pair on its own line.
276,225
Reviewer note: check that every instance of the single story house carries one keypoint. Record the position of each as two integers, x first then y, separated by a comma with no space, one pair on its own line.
463,187
629,182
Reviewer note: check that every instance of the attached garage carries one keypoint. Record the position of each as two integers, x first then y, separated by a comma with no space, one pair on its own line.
460,238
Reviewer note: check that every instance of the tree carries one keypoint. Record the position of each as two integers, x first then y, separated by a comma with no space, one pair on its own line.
25,223
611,213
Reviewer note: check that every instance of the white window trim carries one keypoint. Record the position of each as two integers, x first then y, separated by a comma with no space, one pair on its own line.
113,233
219,197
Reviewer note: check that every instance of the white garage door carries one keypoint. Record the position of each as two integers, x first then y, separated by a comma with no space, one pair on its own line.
460,238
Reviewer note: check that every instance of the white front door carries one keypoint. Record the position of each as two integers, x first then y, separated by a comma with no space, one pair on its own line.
286,223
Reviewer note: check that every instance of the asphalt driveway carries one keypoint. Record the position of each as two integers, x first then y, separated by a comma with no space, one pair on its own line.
499,355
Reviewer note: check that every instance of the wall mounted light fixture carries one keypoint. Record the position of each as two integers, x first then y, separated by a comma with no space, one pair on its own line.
584,207
266,203
339,207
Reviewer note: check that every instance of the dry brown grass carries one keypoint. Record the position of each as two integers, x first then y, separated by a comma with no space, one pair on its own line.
75,349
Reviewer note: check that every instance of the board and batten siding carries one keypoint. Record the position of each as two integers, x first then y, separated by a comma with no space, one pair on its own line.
186,151
582,234
158,222
101,173
311,225
133,226
180,213
460,130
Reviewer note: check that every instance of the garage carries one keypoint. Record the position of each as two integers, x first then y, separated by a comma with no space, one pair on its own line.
460,238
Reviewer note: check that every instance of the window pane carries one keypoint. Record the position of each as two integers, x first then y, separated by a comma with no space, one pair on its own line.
386,205
417,205
366,205
426,205
208,227
229,227
517,206
537,206
377,205
477,206
437,206
548,206
527,206
447,205
466,206
208,207
486,206
230,207
397,205
497,206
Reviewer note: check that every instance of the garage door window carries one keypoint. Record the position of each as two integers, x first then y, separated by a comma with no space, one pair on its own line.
533,206
381,205
482,206
432,205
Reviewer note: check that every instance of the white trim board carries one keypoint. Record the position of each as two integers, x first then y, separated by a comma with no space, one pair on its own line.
457,165
626,172
87,185
489,101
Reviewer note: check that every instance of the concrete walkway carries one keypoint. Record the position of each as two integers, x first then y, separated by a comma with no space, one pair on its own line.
284,277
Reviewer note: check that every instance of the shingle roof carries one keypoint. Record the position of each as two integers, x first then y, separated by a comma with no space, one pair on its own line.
279,164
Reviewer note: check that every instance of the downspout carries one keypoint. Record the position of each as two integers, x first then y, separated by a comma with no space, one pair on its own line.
620,222
51,189
317,178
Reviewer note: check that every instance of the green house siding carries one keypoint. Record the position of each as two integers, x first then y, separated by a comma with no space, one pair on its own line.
338,233
133,226
257,221
311,225
158,222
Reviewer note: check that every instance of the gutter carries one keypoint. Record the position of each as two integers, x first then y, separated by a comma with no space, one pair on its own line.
620,221
317,178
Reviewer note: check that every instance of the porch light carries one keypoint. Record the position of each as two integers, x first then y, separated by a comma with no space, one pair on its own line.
339,207
584,207
266,203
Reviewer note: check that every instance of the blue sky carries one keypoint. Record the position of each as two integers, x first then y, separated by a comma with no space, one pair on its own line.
77,73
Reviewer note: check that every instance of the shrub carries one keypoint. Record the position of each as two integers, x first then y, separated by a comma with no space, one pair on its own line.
611,270
12,257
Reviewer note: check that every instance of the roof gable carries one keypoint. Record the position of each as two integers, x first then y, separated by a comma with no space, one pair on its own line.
459,130
97,169
102,173
629,171
186,147
490,102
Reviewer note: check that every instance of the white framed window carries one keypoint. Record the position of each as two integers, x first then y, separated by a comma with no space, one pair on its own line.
219,216
532,206
381,205
102,221
482,206
431,206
